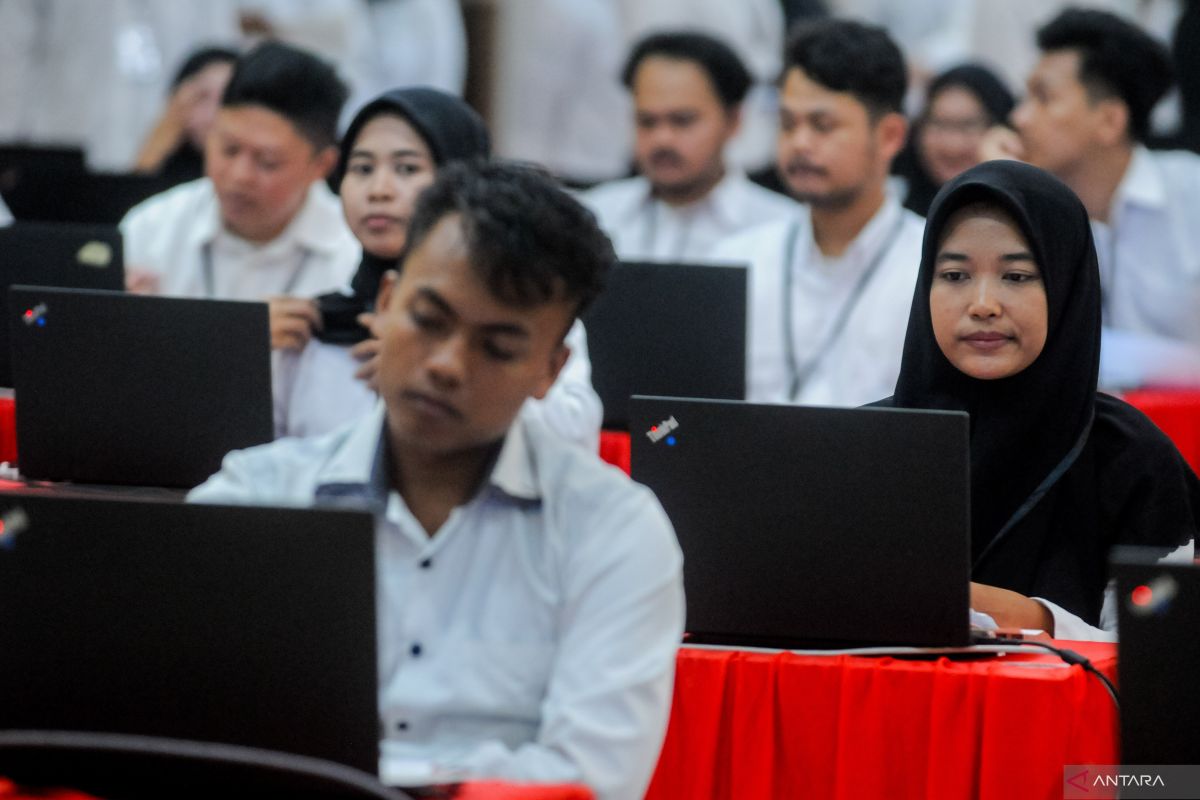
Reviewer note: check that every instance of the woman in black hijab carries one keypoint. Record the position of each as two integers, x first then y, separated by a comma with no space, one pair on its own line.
408,134
962,104
1005,325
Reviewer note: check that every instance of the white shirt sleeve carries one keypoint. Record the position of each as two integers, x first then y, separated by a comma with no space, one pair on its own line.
1069,626
571,408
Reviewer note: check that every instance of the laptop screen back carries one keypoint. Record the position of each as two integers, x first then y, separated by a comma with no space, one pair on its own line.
124,389
248,626
813,526
667,329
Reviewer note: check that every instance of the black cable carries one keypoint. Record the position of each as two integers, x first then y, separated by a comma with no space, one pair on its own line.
1071,657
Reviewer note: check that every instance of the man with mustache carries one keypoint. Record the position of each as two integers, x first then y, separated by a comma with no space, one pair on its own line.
687,93
830,290
529,596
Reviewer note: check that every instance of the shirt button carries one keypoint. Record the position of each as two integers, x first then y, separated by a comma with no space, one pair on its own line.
402,726
426,563
415,649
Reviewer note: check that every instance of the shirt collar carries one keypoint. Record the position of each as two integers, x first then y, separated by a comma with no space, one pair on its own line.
358,467
876,234
726,199
1142,184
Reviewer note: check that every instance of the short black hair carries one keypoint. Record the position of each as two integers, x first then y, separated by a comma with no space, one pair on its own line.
294,84
201,58
728,75
529,240
848,56
1116,59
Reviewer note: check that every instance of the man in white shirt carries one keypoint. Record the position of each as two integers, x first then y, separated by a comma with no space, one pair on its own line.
687,93
830,291
262,224
529,596
1087,110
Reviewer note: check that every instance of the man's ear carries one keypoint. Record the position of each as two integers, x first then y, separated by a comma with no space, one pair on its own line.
1113,128
324,161
387,286
891,131
558,358
734,117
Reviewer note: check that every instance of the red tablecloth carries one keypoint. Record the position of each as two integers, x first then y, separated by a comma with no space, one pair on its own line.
1177,413
845,727
614,448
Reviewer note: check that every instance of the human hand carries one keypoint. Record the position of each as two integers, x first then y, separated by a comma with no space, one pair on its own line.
293,320
141,281
1011,609
1001,142
366,353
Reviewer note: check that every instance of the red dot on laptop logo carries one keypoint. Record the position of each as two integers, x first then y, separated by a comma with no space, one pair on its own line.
1142,596
35,315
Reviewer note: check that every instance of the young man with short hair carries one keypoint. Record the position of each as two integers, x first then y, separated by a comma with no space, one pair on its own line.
1084,118
530,597
263,224
687,92
830,291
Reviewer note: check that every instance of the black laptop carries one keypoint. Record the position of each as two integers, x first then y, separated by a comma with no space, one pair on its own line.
239,625
146,391
1158,656
56,254
667,329
813,527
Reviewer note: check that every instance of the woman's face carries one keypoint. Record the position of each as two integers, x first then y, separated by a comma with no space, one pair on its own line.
951,133
388,167
988,301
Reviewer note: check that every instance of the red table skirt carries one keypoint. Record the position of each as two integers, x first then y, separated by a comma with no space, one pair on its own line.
614,448
846,727
1177,413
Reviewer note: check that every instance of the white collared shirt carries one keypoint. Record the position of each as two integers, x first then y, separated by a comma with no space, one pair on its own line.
533,637
1150,254
861,363
178,234
315,391
643,228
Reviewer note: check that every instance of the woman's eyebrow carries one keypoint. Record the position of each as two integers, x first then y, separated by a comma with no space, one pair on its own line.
951,255
1019,255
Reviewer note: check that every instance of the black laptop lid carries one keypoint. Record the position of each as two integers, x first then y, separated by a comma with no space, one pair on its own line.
125,389
56,254
667,329
1158,655
806,526
248,626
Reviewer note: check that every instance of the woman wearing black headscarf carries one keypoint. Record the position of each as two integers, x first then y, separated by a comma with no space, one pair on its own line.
963,104
1005,324
389,155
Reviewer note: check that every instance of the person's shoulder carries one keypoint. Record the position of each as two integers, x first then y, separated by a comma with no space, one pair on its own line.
283,472
1123,432
615,195
584,496
759,242
764,200
183,201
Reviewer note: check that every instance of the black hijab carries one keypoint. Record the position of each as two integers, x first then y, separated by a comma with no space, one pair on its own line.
451,130
1059,473
991,93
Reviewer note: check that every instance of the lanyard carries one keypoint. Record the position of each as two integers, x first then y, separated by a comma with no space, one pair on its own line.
210,280
800,374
